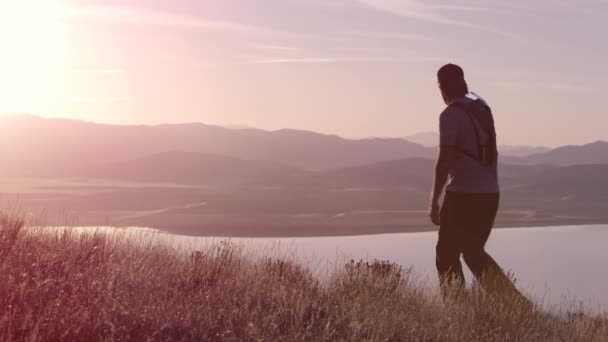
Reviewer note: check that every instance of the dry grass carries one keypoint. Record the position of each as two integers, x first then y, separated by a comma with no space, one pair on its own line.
62,286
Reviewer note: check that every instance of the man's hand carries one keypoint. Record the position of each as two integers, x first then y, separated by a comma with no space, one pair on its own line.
434,213
445,163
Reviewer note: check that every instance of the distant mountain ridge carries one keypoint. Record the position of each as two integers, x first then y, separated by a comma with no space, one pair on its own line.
431,139
34,146
593,153
428,139
32,142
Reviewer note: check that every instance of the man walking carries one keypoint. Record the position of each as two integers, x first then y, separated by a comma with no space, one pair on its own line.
467,163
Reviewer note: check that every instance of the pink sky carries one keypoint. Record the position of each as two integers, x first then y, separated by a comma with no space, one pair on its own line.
356,68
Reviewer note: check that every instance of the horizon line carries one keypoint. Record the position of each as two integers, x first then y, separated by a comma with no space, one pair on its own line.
249,127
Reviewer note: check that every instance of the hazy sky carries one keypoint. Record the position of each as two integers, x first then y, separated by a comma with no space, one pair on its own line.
356,68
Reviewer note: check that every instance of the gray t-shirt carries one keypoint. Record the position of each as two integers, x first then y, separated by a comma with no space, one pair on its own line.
468,176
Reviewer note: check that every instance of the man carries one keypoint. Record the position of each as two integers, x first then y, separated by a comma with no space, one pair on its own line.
467,163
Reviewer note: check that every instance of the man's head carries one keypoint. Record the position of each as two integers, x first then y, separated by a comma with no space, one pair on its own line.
451,82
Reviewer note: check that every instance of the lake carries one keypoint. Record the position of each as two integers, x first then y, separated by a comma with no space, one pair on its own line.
560,265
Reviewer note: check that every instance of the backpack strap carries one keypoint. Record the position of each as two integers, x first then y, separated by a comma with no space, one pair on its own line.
467,109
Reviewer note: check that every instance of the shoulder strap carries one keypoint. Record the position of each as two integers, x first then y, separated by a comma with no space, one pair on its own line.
467,109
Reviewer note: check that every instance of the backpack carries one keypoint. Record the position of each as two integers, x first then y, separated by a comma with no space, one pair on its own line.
481,118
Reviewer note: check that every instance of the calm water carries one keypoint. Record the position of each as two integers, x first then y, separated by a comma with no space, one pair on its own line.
561,265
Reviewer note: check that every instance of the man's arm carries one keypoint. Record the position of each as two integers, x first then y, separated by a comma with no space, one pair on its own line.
443,167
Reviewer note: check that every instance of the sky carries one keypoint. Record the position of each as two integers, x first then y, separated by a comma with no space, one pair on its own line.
356,68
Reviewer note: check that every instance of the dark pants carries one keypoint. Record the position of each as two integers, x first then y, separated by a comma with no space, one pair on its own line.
466,223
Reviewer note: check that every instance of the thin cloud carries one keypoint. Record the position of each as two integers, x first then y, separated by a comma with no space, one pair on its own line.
337,59
409,8
541,86
348,3
99,99
324,3
158,18
275,47
458,8
392,35
141,16
272,60
416,9
564,86
100,71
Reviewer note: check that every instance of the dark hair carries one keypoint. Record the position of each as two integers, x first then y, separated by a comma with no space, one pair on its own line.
451,81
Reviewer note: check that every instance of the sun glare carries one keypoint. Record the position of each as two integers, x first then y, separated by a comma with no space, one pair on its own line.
32,41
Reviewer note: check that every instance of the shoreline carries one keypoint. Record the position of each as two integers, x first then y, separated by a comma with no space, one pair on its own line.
362,231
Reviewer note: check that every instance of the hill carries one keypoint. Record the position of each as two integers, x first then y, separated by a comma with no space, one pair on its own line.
428,139
190,168
33,146
200,194
594,153
87,287
431,139
56,145
207,180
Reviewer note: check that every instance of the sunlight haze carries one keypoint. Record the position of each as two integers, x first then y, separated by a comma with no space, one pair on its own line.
356,68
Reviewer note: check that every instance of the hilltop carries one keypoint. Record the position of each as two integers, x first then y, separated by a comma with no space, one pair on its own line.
63,286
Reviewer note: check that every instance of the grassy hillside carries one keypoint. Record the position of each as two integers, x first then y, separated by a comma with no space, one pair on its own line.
64,286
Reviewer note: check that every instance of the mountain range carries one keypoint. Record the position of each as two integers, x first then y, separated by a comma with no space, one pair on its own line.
35,146
431,139
55,144
210,180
